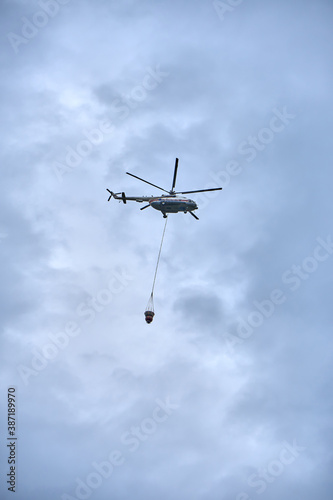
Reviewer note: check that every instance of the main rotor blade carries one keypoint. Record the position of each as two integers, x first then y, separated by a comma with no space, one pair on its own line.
175,175
158,187
198,191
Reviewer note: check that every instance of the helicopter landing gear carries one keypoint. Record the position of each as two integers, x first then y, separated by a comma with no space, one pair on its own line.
164,215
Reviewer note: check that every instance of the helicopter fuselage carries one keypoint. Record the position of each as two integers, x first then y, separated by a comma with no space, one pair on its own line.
173,204
167,204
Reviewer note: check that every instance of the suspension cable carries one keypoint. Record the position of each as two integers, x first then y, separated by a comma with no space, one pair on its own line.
158,258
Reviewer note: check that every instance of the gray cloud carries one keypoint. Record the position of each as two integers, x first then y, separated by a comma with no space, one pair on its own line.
240,346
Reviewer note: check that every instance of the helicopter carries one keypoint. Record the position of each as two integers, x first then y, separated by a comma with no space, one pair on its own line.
166,203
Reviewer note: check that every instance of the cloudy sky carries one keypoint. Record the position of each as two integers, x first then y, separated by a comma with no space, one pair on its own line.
227,394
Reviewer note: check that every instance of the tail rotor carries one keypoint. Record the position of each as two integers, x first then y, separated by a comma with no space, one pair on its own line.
116,196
